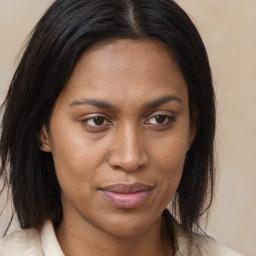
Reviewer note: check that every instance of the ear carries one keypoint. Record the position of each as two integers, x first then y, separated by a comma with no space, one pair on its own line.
44,142
192,130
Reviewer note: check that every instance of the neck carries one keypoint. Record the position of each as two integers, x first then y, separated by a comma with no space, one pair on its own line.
78,238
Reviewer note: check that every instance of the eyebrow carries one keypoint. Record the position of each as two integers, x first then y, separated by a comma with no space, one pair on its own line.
94,102
162,101
106,105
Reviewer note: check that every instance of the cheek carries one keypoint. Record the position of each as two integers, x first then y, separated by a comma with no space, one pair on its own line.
170,158
74,157
79,159
70,146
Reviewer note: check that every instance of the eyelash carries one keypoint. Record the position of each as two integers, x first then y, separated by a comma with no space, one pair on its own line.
167,120
85,121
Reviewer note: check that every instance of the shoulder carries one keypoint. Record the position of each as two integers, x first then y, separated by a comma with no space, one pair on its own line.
199,245
208,246
23,243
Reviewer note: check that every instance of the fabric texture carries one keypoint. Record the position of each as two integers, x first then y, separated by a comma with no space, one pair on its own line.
30,242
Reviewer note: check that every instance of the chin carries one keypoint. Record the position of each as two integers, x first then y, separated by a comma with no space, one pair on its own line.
129,225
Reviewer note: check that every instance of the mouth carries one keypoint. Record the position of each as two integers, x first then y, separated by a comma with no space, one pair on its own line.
126,195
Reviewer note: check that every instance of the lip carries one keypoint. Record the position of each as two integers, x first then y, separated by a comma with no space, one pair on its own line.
126,195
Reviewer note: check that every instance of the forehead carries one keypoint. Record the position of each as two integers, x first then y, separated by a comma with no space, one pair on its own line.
143,54
128,69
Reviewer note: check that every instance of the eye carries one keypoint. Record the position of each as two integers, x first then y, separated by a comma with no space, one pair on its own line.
96,121
161,120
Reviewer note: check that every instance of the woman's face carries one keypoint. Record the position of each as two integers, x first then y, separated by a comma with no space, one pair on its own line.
119,133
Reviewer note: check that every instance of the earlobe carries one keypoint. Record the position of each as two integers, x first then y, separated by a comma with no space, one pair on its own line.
44,142
192,134
192,131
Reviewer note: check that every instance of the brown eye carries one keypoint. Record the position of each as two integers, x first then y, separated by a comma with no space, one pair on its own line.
99,120
96,121
160,119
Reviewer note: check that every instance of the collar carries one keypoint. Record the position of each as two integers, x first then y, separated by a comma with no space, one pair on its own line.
49,240
184,243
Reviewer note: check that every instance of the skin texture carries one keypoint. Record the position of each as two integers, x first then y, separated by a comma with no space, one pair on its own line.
131,141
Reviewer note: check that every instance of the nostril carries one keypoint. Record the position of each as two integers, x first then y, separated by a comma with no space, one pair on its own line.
118,161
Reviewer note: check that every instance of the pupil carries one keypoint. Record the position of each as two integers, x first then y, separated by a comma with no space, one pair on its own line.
160,119
98,120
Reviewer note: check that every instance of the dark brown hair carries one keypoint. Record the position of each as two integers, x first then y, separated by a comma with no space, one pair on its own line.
57,42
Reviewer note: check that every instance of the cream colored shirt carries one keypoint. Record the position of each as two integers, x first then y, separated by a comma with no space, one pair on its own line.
32,243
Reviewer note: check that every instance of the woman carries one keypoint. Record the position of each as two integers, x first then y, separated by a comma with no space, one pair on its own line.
110,116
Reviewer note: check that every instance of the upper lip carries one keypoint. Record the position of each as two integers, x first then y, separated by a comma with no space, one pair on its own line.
127,188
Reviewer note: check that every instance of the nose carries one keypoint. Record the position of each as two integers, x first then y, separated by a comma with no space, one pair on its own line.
129,150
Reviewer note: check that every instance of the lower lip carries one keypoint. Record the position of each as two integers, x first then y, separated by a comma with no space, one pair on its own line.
129,200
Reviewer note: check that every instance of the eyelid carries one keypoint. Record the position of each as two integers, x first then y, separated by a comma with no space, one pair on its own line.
84,120
167,114
171,117
161,113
